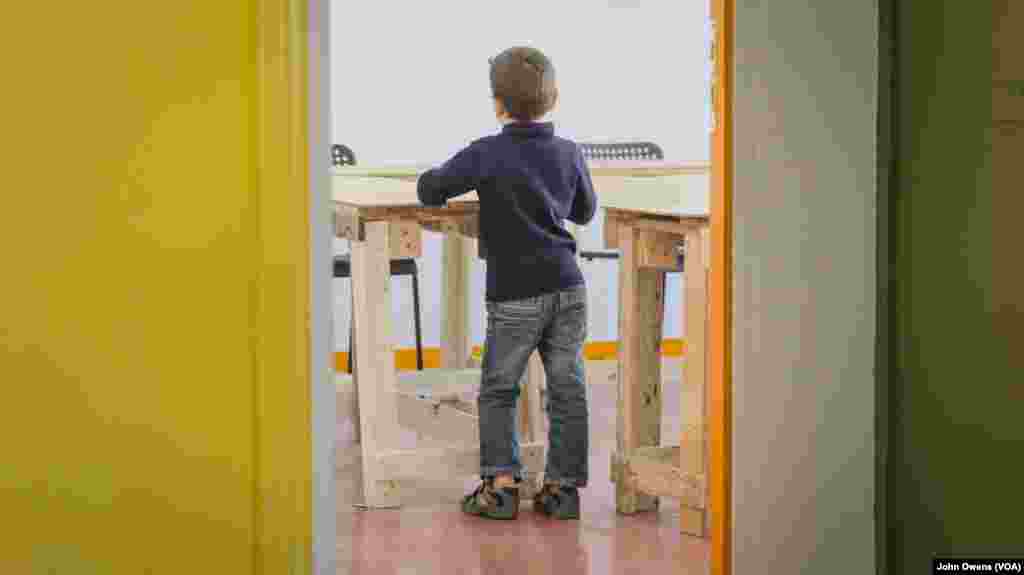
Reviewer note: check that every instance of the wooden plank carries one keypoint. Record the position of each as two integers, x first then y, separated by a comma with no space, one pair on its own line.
681,192
371,213
357,427
347,401
447,462
455,348
437,420
375,373
347,223
450,387
364,192
602,372
524,407
347,405
657,250
617,467
531,412
433,225
440,381
669,481
402,172
675,195
694,437
531,420
636,168
611,231
651,313
443,383
641,297
628,335
658,221
449,383
405,240
469,225
655,471
645,169
536,387
677,227
668,455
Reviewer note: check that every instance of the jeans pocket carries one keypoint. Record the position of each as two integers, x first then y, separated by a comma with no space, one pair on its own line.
573,298
515,310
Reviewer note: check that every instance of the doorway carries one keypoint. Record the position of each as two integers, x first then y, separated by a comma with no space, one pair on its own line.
627,45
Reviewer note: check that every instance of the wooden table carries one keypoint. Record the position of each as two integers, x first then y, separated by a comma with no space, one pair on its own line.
650,206
651,221
378,211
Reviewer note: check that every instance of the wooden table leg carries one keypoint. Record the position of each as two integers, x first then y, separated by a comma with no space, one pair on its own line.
531,419
352,350
641,301
693,406
533,423
456,266
375,372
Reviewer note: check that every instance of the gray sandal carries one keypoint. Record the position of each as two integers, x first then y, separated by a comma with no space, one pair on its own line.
558,502
492,503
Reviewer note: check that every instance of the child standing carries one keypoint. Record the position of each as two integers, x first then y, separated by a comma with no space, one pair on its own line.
528,181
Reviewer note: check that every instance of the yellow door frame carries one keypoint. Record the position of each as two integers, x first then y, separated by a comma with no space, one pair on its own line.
70,492
283,504
283,530
720,295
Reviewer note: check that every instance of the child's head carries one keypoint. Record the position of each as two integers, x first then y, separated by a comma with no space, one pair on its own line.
523,84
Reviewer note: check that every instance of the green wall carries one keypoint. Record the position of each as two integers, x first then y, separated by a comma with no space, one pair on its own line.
953,474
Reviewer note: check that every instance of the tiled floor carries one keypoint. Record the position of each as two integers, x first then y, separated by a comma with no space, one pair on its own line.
430,535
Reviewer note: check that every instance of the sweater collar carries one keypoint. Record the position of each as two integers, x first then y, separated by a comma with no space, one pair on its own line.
529,129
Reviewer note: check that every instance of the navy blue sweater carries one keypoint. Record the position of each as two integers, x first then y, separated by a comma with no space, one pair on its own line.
529,181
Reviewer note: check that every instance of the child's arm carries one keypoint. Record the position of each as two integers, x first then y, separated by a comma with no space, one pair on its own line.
584,204
457,176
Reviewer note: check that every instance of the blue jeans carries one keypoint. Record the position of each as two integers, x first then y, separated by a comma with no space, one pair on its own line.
555,325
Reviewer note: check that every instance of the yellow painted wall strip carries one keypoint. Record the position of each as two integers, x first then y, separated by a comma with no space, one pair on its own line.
405,358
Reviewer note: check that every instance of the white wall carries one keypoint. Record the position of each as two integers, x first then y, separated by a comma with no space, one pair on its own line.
410,86
324,404
805,207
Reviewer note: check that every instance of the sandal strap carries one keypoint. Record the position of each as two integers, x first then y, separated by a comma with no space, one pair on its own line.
485,494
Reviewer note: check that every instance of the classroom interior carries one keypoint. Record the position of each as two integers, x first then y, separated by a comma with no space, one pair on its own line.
174,329
615,100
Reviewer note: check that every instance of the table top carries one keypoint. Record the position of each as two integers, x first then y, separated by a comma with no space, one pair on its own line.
597,168
363,191
659,188
680,195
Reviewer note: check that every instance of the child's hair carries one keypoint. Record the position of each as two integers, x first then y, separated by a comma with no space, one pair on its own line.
523,79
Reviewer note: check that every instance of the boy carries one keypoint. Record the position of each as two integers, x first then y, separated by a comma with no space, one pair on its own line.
528,181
